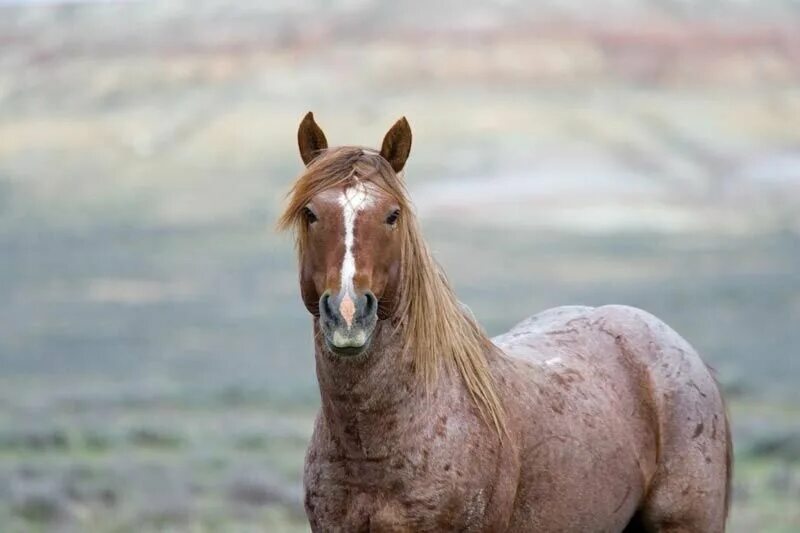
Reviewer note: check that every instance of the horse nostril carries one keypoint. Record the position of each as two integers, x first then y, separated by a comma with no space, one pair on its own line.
325,306
371,305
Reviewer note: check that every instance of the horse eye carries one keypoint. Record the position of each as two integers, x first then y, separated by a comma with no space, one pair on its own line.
310,216
392,219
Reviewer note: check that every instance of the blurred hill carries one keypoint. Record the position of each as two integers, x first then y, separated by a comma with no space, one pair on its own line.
145,149
682,112
644,152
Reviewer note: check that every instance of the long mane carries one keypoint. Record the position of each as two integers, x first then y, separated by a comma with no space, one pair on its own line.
439,332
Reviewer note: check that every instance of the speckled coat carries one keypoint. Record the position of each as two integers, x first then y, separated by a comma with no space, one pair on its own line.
614,424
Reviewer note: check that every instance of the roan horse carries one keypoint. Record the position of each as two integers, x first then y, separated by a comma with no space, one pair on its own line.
579,419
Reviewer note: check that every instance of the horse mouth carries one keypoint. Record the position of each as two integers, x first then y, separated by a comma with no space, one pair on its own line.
352,351
349,344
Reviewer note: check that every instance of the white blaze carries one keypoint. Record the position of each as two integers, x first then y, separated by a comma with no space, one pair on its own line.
352,200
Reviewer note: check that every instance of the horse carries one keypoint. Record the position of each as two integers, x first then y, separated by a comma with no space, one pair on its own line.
578,419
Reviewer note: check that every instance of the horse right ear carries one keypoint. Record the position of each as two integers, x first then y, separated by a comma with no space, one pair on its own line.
310,139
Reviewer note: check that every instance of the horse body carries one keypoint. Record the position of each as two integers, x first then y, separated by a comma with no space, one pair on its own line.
577,420
620,416
609,411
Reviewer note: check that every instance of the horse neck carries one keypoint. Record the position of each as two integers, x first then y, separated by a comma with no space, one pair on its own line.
367,405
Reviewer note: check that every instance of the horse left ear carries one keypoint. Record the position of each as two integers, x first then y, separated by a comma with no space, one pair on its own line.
397,144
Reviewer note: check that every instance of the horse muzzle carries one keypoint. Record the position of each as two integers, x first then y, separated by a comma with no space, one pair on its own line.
347,323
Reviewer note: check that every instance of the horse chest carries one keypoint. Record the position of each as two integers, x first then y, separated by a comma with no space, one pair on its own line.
396,493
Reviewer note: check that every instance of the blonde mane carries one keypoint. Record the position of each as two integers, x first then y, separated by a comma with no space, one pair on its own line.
434,326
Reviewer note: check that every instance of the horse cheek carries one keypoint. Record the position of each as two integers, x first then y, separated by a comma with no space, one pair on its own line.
308,290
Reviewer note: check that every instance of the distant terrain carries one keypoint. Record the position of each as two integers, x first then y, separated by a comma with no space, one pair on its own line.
156,371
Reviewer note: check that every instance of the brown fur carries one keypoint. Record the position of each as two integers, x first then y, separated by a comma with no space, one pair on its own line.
611,421
436,327
310,139
397,145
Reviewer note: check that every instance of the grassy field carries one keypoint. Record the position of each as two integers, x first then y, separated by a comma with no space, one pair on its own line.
156,371
231,463
194,419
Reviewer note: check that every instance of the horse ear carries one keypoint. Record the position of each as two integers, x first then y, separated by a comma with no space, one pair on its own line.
397,144
310,139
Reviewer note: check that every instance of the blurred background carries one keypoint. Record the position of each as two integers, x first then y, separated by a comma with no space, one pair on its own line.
156,370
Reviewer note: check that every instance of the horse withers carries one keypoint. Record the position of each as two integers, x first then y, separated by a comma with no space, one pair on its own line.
579,419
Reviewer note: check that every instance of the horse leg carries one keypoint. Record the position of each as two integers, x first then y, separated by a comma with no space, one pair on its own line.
686,525
689,491
635,525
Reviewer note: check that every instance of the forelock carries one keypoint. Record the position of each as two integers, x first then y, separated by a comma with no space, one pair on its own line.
337,167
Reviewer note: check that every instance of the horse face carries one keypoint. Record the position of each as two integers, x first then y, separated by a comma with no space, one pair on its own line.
351,263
